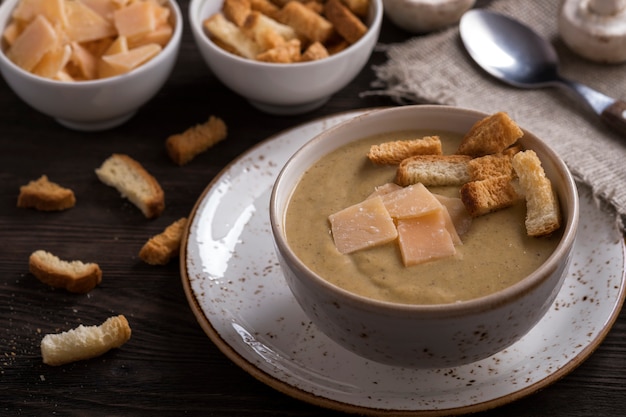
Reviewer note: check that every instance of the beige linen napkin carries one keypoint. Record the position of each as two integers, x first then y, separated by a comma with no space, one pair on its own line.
436,69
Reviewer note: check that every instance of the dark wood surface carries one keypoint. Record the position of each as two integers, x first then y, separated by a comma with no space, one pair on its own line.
169,367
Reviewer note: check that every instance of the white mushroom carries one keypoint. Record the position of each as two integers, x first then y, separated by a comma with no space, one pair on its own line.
595,29
421,16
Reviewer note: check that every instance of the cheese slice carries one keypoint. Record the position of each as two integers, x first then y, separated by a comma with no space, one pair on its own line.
456,239
53,10
99,47
161,36
458,213
63,75
11,32
135,20
161,13
84,24
424,238
53,61
412,201
362,226
26,10
85,62
123,62
384,189
104,8
120,45
33,43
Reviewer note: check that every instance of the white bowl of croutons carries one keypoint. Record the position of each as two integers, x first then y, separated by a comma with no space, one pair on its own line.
89,65
425,236
285,57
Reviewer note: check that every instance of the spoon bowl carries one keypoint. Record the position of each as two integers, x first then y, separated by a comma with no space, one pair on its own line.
528,64
517,55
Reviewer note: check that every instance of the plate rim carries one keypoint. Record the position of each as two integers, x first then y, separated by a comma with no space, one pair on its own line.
320,401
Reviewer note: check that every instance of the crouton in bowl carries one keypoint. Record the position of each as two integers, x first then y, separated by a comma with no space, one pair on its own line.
425,236
282,56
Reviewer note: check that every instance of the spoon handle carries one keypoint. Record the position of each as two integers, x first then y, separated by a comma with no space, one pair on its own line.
615,116
611,111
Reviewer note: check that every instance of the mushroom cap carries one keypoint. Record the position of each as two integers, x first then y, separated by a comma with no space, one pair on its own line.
594,36
420,16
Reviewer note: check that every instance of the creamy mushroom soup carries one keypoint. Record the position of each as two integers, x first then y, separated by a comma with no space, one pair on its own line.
496,252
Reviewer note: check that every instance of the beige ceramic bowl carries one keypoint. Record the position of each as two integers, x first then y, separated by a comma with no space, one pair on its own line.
98,104
283,88
418,335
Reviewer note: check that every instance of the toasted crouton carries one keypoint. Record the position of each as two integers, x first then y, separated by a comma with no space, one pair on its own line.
218,27
488,195
314,52
281,3
358,7
394,152
488,166
433,170
266,7
236,11
227,47
316,5
345,22
85,342
306,22
183,147
159,249
543,215
490,135
512,150
282,54
74,276
337,46
269,39
133,182
45,195
267,32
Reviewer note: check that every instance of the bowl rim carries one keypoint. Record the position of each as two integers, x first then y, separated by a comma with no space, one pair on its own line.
487,302
171,48
195,21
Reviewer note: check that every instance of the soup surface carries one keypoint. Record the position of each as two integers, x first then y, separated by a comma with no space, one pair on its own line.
496,252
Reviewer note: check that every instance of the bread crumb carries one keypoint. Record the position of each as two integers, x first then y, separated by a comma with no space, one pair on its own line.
433,170
45,195
394,152
488,195
133,182
159,249
85,342
74,276
543,214
490,135
183,147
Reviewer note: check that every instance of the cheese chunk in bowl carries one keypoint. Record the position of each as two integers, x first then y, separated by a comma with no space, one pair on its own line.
89,64
402,292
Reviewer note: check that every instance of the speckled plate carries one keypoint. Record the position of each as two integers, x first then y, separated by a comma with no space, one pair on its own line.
236,290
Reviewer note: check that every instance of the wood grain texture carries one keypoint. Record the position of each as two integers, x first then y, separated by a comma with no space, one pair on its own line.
169,367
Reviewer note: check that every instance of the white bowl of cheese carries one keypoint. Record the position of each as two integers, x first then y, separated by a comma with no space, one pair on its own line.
90,65
381,300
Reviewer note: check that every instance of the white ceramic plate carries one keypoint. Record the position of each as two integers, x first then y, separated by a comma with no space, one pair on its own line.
236,290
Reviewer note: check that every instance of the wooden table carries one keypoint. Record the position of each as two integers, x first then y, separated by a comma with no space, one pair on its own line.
169,367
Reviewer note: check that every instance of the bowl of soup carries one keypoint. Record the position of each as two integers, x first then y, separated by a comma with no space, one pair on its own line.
442,304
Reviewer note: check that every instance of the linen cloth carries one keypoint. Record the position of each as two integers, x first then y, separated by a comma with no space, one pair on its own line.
436,69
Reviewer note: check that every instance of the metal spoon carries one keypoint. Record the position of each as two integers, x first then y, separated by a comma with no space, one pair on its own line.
515,54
